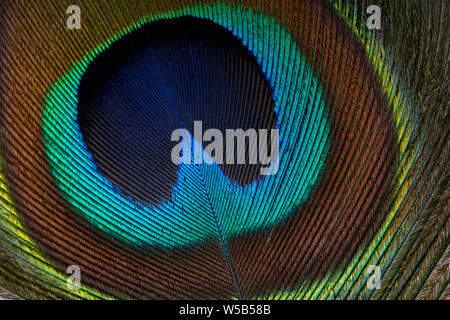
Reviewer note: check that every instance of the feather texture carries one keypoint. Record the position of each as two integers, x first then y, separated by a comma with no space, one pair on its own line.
86,177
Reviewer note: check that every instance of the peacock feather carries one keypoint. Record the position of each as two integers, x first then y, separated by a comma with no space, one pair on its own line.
362,181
